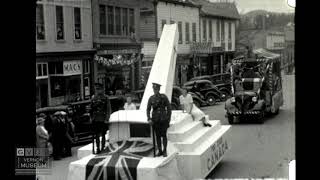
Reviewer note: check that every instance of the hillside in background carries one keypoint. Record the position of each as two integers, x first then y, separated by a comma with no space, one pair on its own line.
255,25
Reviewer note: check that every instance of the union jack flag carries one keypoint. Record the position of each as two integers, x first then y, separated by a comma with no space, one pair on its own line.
118,161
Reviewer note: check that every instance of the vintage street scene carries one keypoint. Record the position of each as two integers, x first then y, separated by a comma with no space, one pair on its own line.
163,89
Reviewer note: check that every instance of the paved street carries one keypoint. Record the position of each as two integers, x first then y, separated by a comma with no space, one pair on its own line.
260,150
257,150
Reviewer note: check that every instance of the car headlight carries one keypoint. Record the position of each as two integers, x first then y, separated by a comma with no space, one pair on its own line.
254,99
233,99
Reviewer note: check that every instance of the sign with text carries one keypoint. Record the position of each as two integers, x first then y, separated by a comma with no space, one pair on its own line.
30,161
204,48
213,155
72,67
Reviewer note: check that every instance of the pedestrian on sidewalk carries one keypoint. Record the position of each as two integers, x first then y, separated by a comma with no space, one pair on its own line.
42,133
100,113
189,107
66,137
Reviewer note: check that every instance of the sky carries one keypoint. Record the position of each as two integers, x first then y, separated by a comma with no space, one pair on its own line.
245,6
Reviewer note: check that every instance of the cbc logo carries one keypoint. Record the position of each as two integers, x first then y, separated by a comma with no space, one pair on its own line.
291,3
20,151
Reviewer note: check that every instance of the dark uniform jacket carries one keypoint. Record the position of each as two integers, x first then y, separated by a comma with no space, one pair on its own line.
161,108
100,108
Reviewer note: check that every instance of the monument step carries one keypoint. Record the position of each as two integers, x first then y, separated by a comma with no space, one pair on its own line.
185,131
200,162
198,137
178,120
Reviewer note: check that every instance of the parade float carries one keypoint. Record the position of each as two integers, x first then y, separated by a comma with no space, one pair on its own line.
193,150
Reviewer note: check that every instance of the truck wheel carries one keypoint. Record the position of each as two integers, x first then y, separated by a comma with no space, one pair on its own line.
211,100
230,119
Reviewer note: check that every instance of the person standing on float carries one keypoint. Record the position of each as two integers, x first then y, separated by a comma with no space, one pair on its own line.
160,119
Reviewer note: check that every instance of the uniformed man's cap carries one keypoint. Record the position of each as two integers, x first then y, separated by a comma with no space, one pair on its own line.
156,85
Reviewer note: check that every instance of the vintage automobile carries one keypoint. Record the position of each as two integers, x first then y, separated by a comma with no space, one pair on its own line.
256,87
207,92
82,124
175,102
221,81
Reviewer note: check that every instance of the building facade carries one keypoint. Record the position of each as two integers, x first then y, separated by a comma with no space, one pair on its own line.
154,15
289,39
116,38
64,52
217,37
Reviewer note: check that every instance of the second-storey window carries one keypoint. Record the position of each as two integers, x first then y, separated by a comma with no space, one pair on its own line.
222,31
77,23
218,30
229,31
132,22
187,33
180,31
102,19
194,32
204,26
125,21
118,21
40,32
210,30
59,23
110,21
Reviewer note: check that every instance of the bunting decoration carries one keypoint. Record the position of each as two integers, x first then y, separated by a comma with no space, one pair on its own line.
122,60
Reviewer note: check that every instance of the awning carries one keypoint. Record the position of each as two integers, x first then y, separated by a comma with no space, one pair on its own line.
265,53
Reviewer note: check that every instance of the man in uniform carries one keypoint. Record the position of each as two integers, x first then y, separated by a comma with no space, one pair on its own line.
161,115
100,113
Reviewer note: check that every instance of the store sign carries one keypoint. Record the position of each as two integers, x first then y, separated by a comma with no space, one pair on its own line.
204,48
72,67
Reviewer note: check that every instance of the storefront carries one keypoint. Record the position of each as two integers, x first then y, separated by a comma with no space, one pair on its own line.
63,78
208,59
119,70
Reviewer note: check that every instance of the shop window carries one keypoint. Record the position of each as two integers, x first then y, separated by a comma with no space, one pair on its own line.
163,22
194,32
218,30
40,31
102,19
118,21
132,22
77,23
187,33
210,30
180,31
42,70
86,66
204,27
59,23
86,84
57,86
125,21
110,20
55,68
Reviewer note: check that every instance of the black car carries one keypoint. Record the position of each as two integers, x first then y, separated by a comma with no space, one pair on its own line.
205,90
175,102
221,81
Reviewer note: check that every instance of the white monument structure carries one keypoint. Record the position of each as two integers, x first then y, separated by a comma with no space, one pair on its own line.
193,150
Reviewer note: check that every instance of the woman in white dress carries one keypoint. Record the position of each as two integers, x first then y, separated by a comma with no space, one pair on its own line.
188,106
129,105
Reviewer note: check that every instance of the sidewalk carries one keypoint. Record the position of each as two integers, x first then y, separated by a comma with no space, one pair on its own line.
60,168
